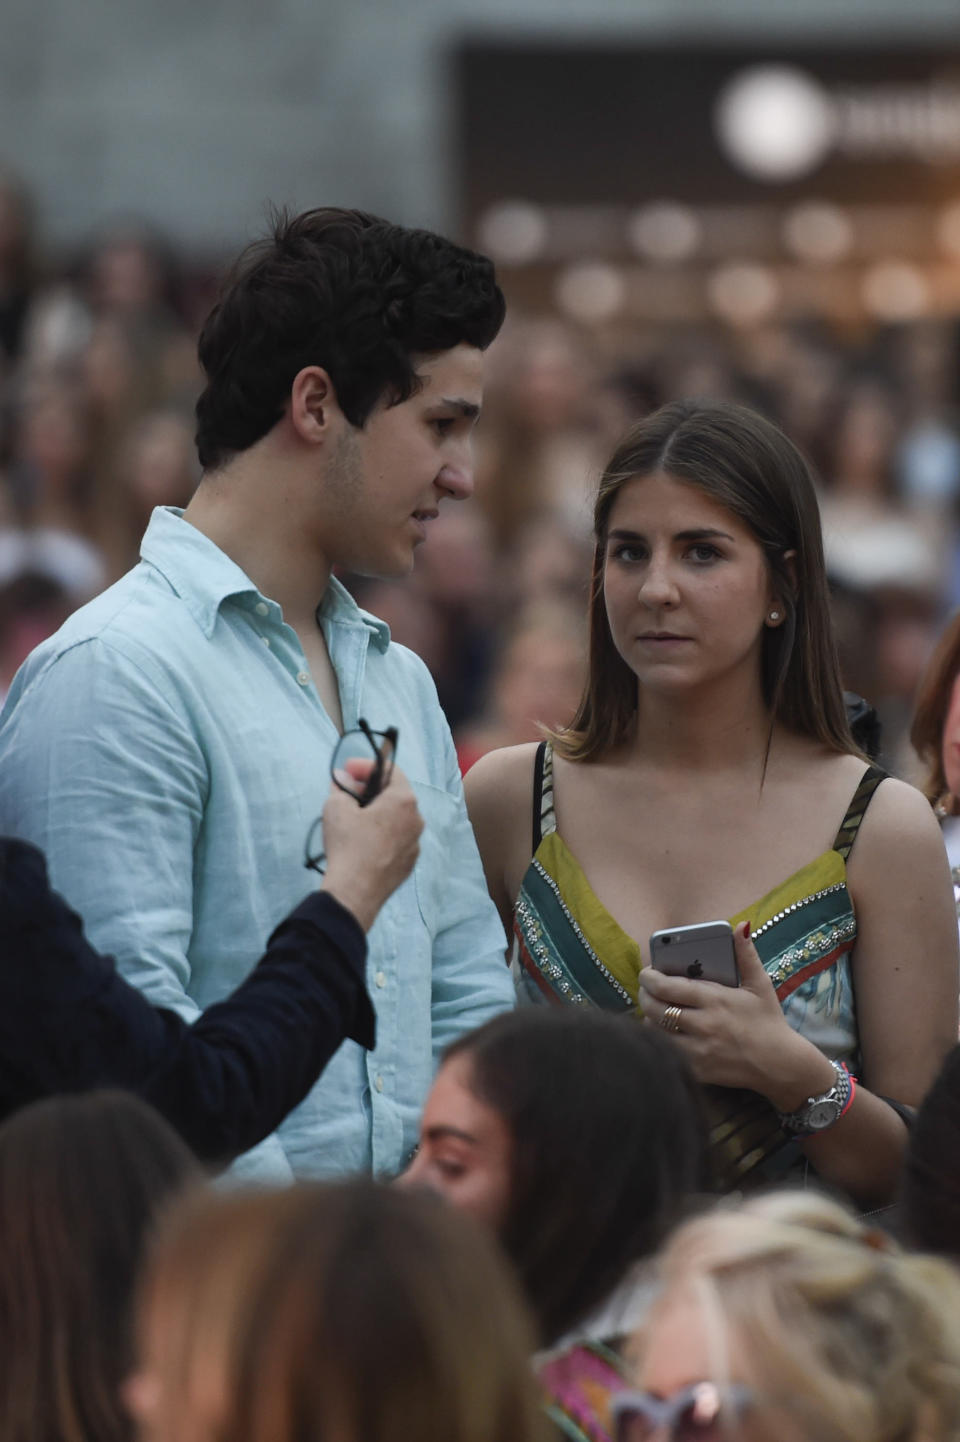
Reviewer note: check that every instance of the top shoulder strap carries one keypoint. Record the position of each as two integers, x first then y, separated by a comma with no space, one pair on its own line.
544,817
856,811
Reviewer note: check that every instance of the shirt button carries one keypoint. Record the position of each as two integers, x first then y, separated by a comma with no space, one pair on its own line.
263,609
379,1083
303,678
265,640
380,979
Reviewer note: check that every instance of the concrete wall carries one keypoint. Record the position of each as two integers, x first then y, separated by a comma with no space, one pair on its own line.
195,113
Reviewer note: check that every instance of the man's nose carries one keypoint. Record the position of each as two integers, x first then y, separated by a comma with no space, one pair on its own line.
456,480
456,474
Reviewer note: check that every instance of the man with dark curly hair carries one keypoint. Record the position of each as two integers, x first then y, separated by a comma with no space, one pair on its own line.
170,747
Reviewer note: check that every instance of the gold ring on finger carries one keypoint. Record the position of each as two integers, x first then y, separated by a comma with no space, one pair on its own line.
670,1021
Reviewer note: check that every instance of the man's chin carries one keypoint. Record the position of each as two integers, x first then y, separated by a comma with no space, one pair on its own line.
394,568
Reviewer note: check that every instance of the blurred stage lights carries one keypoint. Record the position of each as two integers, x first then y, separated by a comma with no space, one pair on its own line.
591,292
775,122
895,291
742,293
513,232
818,233
664,232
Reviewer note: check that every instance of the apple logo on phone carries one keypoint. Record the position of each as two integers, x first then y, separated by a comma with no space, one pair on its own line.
694,969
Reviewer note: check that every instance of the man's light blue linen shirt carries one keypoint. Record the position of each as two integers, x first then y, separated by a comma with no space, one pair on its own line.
168,750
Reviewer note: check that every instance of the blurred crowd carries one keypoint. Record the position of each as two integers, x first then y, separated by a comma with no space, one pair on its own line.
98,379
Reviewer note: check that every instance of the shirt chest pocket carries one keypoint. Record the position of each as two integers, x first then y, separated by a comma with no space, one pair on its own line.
439,851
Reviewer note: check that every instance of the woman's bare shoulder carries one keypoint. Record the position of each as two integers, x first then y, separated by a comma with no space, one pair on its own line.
501,781
899,816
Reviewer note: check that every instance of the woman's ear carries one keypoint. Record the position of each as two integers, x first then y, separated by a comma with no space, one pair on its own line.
782,577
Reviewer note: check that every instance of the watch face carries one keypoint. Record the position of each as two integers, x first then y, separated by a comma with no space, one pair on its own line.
823,1113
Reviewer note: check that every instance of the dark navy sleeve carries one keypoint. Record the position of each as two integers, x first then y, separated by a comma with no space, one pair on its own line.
69,1022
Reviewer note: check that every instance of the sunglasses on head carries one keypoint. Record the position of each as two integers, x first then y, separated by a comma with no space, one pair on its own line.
698,1413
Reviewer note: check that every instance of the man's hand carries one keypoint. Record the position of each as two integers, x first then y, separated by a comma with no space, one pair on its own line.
370,849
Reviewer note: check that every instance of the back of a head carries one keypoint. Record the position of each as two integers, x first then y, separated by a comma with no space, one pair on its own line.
82,1179
833,1326
358,296
362,1313
608,1147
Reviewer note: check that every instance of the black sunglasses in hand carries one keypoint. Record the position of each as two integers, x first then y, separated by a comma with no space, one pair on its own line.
363,744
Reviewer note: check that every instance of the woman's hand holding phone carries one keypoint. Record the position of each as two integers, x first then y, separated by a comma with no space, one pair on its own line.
732,1036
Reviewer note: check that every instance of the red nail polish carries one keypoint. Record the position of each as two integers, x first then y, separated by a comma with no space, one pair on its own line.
746,931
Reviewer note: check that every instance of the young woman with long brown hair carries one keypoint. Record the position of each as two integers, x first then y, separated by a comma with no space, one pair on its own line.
710,772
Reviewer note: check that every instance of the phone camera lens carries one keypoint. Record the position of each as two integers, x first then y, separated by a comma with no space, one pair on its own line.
667,940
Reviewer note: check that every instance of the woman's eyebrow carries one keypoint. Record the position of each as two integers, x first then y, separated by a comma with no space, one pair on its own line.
438,1133
699,533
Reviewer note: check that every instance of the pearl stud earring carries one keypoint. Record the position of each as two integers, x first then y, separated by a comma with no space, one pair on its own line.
774,616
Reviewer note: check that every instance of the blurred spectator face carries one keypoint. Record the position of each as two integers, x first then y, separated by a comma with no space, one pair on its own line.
541,375
903,640
454,567
110,368
551,564
951,741
464,1151
160,468
864,442
540,680
125,275
52,436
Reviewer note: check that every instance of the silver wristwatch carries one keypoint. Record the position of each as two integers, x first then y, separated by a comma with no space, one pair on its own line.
818,1113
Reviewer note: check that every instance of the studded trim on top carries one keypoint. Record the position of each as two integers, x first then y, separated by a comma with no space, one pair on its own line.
533,935
796,906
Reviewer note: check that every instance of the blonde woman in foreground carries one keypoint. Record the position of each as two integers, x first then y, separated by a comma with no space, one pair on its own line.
787,1320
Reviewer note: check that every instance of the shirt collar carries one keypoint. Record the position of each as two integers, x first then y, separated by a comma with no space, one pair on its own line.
204,577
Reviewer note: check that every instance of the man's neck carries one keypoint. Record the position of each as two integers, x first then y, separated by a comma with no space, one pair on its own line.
253,521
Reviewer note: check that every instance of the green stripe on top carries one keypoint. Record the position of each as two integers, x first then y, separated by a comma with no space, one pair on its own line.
558,948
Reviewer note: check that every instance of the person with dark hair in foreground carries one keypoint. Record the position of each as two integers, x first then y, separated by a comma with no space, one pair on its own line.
69,1021
349,1313
579,1138
82,1181
170,746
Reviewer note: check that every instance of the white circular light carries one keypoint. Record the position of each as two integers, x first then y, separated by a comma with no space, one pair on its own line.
664,231
743,293
948,230
514,232
591,291
775,122
895,291
818,233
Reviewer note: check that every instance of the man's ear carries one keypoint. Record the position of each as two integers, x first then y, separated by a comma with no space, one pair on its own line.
313,404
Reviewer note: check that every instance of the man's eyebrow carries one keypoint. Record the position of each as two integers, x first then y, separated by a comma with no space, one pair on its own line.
439,1132
468,409
702,533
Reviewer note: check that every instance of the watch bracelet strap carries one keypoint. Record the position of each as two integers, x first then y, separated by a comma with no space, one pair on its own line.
792,1121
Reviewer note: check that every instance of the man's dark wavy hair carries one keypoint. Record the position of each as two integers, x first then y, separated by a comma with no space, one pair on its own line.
343,290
